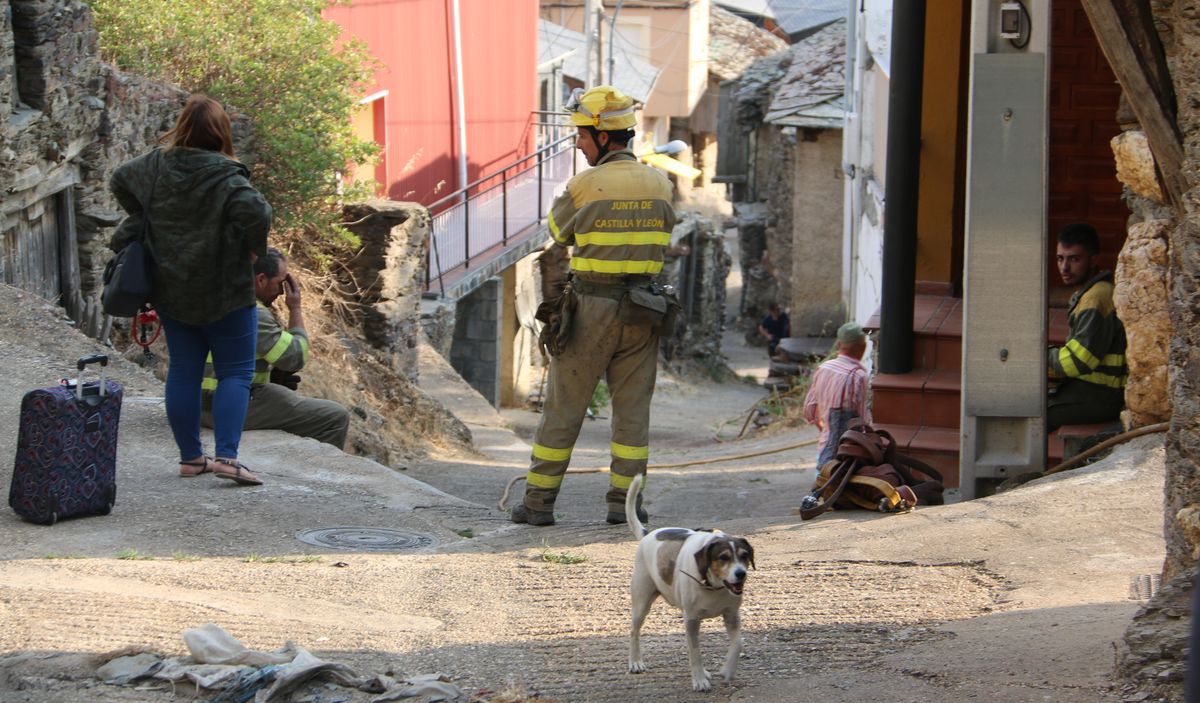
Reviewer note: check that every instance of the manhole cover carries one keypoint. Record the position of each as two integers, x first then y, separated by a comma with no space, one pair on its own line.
1144,587
365,539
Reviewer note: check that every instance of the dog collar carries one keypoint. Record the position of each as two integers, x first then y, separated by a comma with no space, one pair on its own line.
704,585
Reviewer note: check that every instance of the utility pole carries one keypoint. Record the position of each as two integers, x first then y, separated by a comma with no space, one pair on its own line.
612,34
592,10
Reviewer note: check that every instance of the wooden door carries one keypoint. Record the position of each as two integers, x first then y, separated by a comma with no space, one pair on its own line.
1083,105
29,250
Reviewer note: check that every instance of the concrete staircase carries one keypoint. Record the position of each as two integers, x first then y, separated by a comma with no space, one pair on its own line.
921,408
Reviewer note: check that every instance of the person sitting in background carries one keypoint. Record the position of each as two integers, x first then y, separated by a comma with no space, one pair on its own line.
274,402
838,393
774,327
1087,373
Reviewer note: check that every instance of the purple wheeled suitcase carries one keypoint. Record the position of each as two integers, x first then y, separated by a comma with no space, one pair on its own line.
67,449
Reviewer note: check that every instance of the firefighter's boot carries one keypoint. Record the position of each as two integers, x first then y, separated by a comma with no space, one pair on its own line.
538,518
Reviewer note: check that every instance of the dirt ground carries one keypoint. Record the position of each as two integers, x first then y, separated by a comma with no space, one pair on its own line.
1019,597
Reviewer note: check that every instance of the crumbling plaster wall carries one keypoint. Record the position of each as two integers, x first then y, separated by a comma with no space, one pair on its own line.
816,281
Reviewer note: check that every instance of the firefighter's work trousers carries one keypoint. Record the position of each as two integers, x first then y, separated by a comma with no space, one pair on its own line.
274,407
600,346
1081,403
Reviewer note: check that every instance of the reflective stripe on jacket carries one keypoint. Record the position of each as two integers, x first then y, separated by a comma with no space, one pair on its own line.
279,348
1095,348
617,215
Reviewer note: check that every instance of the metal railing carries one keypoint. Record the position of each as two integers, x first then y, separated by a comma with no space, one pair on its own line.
497,210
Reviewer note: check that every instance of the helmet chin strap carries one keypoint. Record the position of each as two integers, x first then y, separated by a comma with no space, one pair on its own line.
604,148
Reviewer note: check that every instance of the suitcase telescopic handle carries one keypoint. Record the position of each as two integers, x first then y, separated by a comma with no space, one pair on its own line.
85,361
92,359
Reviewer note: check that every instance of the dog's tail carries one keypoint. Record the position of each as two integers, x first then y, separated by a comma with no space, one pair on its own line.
631,501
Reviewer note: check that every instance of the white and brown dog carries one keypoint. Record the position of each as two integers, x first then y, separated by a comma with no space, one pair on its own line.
702,573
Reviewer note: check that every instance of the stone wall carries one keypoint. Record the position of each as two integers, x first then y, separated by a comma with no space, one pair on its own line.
1155,650
51,101
699,279
780,191
69,120
475,353
389,273
760,286
1141,300
1182,513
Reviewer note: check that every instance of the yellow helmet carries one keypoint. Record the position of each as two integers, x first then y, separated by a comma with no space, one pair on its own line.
603,107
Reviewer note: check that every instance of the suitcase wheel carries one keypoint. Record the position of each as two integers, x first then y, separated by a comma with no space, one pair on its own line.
53,518
106,509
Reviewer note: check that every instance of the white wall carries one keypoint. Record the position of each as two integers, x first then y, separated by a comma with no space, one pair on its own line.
864,152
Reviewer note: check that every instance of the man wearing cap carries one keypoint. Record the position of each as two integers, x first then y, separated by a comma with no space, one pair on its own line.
618,218
838,392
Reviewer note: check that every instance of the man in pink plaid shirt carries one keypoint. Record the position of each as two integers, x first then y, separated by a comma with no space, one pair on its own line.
839,391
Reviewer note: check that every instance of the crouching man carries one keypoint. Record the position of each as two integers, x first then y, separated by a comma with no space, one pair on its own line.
281,353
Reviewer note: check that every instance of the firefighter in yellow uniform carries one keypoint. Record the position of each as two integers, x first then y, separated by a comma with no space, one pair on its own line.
1088,372
618,217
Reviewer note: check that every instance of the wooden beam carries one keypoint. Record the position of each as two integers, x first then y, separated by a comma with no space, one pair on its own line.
68,255
1125,30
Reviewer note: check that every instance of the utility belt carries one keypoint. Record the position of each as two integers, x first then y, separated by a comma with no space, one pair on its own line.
641,303
612,291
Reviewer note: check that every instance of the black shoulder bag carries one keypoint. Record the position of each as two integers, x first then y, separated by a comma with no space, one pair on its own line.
129,277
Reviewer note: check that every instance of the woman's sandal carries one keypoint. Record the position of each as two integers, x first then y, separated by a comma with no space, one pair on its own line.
201,465
235,471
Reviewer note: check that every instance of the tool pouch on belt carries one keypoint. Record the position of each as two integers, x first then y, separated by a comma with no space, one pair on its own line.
643,306
557,317
673,308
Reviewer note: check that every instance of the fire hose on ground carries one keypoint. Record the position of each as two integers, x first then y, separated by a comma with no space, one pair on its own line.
1064,466
715,460
1111,442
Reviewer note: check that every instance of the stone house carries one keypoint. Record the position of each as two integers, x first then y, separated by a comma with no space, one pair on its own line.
66,121
785,121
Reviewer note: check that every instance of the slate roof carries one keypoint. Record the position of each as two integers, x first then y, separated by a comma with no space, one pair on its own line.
634,77
762,8
734,43
798,16
812,91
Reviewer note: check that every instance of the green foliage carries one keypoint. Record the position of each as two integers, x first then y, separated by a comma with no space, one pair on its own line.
281,64
133,555
600,398
548,554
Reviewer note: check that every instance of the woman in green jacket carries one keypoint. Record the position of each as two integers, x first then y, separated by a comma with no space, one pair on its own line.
206,226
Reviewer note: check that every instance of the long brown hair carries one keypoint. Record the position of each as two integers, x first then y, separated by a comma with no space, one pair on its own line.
203,124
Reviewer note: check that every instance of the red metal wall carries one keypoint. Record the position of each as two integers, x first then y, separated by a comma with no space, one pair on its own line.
413,41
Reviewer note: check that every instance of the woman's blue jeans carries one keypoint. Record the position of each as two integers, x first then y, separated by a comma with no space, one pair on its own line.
232,341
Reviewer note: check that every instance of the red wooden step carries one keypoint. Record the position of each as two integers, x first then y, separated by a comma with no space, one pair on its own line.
936,446
921,397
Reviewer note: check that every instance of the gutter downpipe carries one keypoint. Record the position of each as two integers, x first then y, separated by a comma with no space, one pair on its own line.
905,90
459,100
851,139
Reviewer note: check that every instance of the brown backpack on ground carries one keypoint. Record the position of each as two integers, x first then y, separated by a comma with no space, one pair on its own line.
869,473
